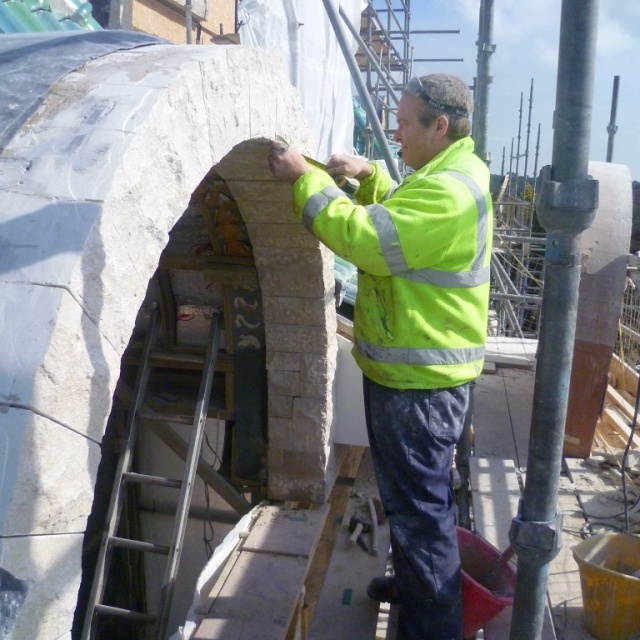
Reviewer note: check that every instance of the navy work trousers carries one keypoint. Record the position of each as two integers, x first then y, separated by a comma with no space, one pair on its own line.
412,434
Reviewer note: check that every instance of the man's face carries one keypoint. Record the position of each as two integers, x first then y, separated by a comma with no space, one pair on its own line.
420,144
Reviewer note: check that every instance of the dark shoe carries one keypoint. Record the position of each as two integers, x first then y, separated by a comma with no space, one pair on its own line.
383,589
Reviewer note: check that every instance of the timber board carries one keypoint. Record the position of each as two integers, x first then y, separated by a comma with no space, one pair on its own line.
495,492
343,611
289,532
604,250
502,414
261,593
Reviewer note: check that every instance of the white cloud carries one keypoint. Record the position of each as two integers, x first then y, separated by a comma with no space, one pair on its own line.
523,28
616,37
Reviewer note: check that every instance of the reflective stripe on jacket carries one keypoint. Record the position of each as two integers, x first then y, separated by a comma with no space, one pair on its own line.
423,250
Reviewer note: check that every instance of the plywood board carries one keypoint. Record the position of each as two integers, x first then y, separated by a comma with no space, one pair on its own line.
259,597
519,387
604,249
292,532
493,435
511,352
344,611
495,492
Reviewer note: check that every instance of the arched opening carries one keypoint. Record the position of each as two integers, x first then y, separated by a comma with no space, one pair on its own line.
207,274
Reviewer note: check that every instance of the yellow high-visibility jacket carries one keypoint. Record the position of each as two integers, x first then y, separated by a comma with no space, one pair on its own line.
423,250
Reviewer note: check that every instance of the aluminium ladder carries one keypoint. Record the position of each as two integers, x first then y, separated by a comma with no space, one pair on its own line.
124,475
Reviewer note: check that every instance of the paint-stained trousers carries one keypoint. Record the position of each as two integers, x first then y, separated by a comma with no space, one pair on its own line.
412,434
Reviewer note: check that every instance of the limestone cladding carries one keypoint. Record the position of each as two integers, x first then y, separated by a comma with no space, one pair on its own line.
90,187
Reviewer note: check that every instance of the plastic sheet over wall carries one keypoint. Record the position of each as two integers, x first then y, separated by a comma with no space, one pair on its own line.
317,68
30,63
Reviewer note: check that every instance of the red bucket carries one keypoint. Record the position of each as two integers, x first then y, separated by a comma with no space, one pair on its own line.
480,604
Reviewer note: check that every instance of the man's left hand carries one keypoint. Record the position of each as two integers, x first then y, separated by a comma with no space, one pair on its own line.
286,164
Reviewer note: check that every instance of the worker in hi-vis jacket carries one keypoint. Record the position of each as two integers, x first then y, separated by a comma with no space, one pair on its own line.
423,250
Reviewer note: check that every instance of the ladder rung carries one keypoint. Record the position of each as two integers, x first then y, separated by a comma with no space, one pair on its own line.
138,545
135,616
143,478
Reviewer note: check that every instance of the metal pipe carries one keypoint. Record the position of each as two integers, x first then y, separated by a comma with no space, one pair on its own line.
520,297
484,79
507,306
535,172
188,20
334,18
438,60
166,508
518,156
567,205
612,128
510,168
526,148
521,239
423,31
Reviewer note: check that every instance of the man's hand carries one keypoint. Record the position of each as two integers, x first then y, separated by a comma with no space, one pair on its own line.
286,164
349,166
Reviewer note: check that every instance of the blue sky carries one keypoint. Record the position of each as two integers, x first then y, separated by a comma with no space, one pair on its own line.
526,35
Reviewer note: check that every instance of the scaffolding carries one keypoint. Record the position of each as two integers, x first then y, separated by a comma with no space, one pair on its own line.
386,58
517,263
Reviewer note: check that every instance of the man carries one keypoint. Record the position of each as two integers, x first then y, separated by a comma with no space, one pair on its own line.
423,251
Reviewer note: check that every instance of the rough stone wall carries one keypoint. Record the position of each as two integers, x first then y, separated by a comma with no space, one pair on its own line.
89,190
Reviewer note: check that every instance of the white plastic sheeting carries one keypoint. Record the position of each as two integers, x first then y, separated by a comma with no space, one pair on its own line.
316,64
212,571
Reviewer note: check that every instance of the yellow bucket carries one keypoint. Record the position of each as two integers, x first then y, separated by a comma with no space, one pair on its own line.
610,591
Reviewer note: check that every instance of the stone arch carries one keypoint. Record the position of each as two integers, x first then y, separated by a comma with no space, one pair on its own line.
92,185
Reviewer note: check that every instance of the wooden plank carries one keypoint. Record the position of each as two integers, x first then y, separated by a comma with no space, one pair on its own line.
511,352
218,629
261,593
291,532
502,406
195,262
604,249
613,396
510,361
611,417
519,386
624,378
493,433
344,611
257,600
586,394
490,474
495,492
180,447
338,502
607,437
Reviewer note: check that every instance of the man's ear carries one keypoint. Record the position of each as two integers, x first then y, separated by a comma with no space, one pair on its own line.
442,125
